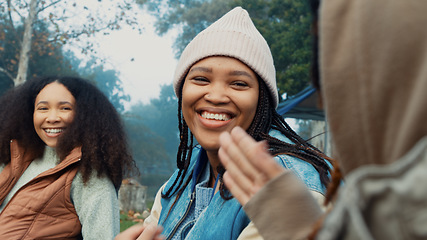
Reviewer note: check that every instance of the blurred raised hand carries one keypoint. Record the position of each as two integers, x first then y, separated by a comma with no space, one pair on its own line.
249,165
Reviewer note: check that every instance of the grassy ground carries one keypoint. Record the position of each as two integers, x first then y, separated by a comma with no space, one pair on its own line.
131,218
126,221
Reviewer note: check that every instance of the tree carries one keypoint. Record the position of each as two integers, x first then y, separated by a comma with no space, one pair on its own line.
109,83
69,21
153,132
26,42
46,59
147,147
107,80
190,16
160,116
51,59
285,24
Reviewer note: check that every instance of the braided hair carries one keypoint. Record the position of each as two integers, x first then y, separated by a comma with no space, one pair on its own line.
265,119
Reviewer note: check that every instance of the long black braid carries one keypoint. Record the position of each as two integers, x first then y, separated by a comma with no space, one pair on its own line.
183,156
265,118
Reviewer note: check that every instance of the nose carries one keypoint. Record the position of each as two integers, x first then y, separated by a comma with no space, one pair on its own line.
53,116
216,94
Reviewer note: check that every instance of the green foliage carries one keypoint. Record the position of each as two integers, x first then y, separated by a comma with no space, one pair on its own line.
153,129
107,81
190,16
285,24
163,119
111,85
153,132
147,147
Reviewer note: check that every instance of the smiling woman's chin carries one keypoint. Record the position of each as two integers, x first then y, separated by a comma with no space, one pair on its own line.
50,142
208,140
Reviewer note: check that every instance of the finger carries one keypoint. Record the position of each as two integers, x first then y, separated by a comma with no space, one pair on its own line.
251,178
257,154
235,155
248,145
235,189
151,232
158,234
240,178
131,233
237,165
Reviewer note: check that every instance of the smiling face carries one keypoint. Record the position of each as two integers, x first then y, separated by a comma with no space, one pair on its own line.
219,93
53,112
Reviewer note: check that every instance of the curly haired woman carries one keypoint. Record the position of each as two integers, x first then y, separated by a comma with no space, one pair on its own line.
63,154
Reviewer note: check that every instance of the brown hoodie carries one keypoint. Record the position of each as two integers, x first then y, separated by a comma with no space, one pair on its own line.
373,67
373,64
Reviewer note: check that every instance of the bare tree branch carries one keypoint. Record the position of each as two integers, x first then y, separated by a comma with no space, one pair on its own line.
7,73
9,13
48,6
58,20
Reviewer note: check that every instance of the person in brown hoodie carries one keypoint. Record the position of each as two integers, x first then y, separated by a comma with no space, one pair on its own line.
373,82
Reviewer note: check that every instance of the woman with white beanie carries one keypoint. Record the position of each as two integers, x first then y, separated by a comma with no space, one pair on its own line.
373,81
226,78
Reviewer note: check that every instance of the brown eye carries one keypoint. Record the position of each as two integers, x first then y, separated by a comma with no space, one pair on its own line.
41,108
200,80
239,85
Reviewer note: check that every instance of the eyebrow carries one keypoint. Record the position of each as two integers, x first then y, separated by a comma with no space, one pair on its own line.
60,103
232,73
202,69
241,73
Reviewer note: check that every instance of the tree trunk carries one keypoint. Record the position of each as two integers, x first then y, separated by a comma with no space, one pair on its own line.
26,44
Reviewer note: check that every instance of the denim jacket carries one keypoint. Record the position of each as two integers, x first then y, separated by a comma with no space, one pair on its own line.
302,169
221,219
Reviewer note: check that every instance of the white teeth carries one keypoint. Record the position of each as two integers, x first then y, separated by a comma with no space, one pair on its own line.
53,130
215,116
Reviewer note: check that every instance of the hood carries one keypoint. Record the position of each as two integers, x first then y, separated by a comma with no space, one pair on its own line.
373,70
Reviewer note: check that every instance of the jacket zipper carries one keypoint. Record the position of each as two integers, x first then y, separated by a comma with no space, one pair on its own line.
183,217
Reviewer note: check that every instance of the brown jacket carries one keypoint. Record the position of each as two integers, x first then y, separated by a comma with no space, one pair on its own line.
42,208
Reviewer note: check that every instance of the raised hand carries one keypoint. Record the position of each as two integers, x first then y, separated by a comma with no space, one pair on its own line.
249,166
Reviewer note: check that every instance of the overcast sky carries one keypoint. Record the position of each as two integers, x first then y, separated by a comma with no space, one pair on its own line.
153,59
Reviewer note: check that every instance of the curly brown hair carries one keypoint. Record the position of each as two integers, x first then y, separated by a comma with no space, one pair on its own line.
97,128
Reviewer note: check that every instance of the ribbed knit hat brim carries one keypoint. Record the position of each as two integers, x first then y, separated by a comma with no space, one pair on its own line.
233,35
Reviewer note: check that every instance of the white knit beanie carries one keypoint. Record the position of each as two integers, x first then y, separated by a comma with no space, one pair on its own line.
233,35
